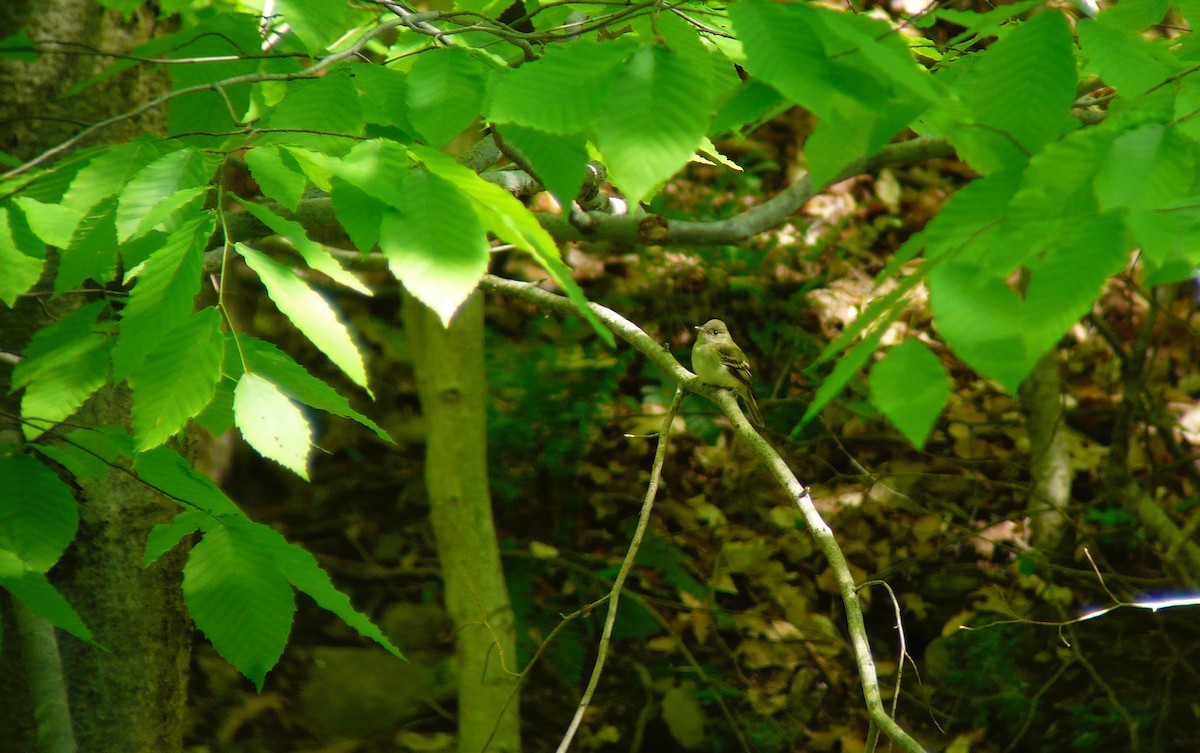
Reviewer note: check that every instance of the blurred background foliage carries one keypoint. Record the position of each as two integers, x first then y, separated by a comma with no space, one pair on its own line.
731,637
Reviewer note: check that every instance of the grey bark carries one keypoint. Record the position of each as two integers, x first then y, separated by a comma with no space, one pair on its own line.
126,691
453,390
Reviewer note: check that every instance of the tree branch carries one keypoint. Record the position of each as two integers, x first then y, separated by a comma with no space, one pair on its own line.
767,455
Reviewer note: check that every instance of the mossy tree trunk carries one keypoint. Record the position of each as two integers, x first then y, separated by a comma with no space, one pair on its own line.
126,692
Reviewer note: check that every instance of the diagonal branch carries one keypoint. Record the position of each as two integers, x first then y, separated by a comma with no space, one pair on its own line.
796,491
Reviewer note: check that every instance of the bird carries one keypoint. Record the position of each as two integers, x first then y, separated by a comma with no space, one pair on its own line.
718,361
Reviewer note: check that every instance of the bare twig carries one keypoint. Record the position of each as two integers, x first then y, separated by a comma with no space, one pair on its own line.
614,599
798,493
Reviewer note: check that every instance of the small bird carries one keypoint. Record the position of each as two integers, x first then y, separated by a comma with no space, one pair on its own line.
718,360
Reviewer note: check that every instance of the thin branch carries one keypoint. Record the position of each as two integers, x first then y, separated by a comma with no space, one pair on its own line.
767,455
314,71
610,619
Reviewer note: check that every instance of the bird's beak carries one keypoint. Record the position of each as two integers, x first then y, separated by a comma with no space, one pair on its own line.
698,326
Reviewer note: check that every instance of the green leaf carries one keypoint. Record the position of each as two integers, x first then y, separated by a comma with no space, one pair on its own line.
303,572
106,174
277,174
317,23
652,125
1024,86
53,223
329,104
784,48
1126,61
92,254
18,47
1135,15
272,424
561,92
225,39
164,536
981,319
910,386
559,161
845,369
64,364
310,312
512,222
359,213
167,471
177,379
376,167
315,255
1146,167
879,48
88,453
278,367
382,93
237,596
445,93
1066,280
21,257
35,592
434,243
162,298
38,517
160,189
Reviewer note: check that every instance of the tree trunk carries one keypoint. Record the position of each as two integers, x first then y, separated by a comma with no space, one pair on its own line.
453,389
126,691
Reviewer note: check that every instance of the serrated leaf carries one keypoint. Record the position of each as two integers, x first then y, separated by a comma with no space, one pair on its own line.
376,167
1145,167
237,596
1023,88
359,214
844,370
164,536
278,179
444,93
434,243
784,48
980,318
310,312
272,424
278,367
303,572
93,251
19,260
168,472
910,386
315,255
64,364
654,122
1068,277
160,188
317,23
38,516
381,91
560,161
35,592
53,223
106,173
512,222
561,92
1126,60
329,105
162,298
177,379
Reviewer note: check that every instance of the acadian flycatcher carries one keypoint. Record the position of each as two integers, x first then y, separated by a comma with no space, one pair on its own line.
718,360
